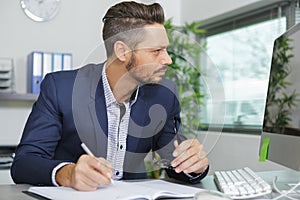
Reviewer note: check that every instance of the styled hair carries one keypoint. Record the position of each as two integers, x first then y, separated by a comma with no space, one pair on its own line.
124,22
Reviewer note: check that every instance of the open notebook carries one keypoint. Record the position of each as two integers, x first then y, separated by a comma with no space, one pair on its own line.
153,189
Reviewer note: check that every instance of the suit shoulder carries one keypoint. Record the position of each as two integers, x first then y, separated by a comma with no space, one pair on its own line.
71,74
168,83
63,74
90,70
165,88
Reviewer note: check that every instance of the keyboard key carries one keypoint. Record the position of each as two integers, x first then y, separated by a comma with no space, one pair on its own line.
241,183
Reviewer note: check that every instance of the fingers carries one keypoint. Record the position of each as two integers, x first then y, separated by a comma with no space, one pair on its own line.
190,157
176,143
103,167
90,172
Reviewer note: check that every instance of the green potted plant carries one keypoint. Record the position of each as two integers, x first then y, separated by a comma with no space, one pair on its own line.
185,71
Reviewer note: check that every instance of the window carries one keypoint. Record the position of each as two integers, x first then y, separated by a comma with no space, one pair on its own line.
240,47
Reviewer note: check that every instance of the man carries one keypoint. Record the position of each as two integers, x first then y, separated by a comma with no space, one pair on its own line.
121,109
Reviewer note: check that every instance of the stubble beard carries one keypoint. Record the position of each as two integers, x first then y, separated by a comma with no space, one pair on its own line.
135,70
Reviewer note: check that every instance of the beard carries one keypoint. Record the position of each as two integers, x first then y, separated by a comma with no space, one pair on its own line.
132,62
140,74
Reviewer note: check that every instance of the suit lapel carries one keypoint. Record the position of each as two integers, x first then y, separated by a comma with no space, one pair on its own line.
137,121
85,112
146,120
133,161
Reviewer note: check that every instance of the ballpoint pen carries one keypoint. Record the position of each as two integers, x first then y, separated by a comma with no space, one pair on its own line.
88,151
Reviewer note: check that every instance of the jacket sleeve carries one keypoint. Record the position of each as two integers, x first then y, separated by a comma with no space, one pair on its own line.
33,162
191,178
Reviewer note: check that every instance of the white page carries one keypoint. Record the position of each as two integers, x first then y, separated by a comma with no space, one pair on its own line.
121,190
160,188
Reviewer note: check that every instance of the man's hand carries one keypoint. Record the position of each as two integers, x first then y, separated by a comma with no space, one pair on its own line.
189,157
87,174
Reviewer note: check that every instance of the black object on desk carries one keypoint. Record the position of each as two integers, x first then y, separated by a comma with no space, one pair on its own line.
7,154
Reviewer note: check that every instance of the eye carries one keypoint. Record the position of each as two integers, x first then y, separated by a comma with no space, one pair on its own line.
157,51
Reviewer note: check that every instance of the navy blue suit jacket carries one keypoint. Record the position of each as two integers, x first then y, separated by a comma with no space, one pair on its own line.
71,109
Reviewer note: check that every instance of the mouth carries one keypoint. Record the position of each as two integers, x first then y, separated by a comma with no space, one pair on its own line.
162,70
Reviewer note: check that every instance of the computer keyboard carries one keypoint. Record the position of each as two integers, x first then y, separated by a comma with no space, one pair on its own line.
241,183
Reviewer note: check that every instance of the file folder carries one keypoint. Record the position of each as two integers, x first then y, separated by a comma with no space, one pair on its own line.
47,63
57,62
67,61
34,73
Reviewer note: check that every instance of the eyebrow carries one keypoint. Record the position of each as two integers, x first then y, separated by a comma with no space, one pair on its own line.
160,47
155,47
164,47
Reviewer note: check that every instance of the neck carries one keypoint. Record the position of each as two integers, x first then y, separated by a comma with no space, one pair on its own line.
121,84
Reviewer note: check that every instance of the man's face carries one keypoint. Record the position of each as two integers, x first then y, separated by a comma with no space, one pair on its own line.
150,59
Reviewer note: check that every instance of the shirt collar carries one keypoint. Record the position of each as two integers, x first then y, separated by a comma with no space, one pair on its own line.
109,97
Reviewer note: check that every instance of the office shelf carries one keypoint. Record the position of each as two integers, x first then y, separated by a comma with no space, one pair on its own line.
17,97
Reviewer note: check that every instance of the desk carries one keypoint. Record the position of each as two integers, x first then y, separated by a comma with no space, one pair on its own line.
14,192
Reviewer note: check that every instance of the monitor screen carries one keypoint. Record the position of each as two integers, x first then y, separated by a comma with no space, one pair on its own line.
281,124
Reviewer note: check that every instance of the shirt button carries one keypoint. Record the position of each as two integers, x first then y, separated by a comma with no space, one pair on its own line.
117,173
121,147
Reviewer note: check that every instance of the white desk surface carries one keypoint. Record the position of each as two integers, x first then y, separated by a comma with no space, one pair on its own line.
15,192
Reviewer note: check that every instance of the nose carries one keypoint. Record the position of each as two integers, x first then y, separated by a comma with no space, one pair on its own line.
167,59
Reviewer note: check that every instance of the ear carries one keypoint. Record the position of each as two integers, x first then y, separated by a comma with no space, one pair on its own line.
121,50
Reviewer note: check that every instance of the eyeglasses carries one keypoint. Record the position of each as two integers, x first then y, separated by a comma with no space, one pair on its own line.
162,163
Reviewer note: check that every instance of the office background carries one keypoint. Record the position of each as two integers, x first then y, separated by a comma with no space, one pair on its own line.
77,30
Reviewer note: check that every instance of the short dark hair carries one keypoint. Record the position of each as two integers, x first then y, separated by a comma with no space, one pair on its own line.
126,16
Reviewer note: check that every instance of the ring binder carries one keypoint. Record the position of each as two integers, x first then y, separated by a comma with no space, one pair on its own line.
41,63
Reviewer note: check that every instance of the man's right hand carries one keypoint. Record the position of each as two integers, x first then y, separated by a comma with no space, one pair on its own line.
86,175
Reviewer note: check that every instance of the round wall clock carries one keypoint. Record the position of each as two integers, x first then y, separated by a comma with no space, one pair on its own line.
40,10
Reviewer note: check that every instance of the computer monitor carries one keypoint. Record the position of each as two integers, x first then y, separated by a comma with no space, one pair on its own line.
281,126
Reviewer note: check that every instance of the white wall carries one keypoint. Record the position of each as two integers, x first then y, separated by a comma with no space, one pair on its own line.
5,177
192,10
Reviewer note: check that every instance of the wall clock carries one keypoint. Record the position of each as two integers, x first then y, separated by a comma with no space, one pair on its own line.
40,10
